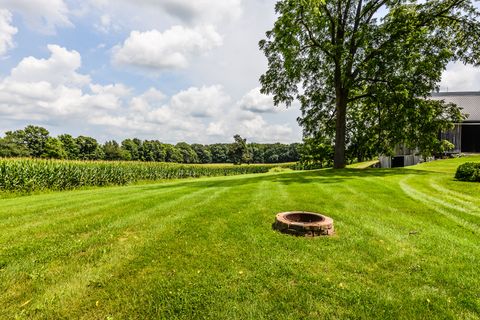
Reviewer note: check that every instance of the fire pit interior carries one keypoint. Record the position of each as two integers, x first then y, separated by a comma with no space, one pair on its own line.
303,217
306,224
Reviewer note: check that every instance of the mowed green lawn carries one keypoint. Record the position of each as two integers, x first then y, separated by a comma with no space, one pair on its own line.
407,247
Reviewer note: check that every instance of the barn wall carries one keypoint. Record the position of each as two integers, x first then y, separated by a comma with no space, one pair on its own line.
454,136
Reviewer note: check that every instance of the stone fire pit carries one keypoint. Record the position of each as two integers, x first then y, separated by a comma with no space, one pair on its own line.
305,224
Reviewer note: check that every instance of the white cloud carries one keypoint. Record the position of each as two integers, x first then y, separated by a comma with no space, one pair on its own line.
106,21
107,97
258,129
182,116
41,15
197,114
199,10
171,49
204,102
59,68
37,100
460,77
52,91
150,98
257,102
216,129
117,89
192,12
246,117
250,125
105,24
7,31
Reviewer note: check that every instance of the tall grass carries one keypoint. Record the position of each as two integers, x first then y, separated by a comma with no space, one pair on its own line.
26,175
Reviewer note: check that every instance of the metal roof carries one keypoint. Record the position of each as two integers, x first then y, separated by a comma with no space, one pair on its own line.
468,101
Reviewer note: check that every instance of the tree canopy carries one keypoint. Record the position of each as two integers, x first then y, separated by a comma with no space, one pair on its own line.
363,69
239,152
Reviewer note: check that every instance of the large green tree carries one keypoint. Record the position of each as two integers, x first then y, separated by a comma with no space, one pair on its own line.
370,63
32,137
153,150
219,153
89,149
53,149
70,145
238,151
203,152
113,151
188,154
172,154
134,147
11,146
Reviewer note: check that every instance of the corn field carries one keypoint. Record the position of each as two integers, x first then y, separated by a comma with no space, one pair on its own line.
27,175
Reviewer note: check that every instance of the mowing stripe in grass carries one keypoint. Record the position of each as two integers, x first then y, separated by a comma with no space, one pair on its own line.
443,202
218,220
120,251
471,216
62,215
52,200
466,206
437,206
461,197
71,225
67,230
9,204
165,240
123,258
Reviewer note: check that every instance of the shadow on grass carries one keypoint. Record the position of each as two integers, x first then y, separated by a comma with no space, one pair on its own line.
324,176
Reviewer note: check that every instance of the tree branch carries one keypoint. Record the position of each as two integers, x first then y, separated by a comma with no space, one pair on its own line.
424,21
311,36
332,22
353,47
360,97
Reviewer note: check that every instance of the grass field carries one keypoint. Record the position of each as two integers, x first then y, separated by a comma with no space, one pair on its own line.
407,247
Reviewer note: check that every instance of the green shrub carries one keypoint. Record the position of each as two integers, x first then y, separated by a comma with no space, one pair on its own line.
307,166
469,171
280,169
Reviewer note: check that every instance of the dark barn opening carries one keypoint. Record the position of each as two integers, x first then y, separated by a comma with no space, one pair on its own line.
471,138
398,162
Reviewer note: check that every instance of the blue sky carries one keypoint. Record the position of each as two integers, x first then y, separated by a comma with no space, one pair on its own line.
173,70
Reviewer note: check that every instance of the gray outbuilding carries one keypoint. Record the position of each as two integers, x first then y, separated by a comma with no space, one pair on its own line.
466,135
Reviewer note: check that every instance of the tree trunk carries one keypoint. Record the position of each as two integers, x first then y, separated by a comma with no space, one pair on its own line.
341,128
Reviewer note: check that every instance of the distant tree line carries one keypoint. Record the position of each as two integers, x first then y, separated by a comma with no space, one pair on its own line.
36,142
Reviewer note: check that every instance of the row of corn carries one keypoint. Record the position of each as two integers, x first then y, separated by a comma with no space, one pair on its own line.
26,175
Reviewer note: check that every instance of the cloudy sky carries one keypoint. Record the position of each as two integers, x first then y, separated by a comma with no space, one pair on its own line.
173,70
